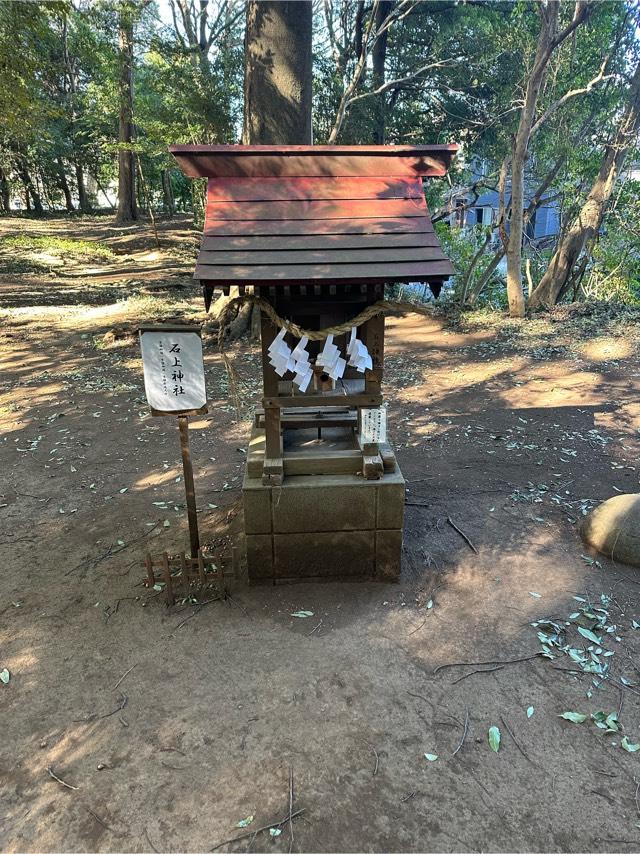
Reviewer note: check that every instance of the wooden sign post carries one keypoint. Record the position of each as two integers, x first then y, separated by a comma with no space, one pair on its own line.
174,385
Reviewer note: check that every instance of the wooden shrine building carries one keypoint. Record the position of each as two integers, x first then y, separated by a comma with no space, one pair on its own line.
318,231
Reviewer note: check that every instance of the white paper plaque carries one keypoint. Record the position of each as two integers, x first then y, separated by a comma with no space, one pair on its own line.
173,368
373,424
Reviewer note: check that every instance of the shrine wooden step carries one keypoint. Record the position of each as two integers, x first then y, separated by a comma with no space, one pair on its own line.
299,418
306,463
312,461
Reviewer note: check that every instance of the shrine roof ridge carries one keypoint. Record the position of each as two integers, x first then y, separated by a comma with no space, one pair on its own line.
380,150
261,161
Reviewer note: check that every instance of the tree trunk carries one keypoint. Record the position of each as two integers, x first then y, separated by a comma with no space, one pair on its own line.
378,58
30,190
127,208
168,200
519,157
548,41
83,198
64,186
277,85
277,82
5,192
586,225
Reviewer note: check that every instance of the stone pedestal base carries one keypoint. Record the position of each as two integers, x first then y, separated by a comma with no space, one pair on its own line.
324,527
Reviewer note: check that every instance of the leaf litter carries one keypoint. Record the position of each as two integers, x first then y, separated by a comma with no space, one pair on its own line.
588,654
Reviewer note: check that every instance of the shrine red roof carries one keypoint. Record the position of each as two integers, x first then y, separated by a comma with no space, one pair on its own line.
279,215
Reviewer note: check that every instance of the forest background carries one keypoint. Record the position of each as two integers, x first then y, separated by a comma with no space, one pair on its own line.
544,99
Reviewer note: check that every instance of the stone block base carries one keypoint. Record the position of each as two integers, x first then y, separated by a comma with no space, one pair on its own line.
322,527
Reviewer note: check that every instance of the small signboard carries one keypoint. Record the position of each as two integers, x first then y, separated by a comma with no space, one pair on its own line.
373,425
173,369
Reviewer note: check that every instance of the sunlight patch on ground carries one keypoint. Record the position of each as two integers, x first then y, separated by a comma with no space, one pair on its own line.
606,349
158,478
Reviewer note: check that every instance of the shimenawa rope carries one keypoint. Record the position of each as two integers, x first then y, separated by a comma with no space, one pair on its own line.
380,307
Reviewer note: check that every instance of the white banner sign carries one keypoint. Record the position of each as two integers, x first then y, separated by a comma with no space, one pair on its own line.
373,425
173,368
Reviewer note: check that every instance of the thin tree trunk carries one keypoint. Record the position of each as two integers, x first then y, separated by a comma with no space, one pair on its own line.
588,221
358,74
464,285
37,201
5,192
519,156
83,198
168,200
64,186
489,271
30,190
277,82
104,192
378,58
127,208
548,41
533,206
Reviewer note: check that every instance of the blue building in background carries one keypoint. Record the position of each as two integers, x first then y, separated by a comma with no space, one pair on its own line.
467,211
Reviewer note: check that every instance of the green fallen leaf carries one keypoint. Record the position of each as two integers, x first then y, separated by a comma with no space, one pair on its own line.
574,717
244,822
606,722
589,635
494,738
630,748
530,711
302,614
5,676
274,831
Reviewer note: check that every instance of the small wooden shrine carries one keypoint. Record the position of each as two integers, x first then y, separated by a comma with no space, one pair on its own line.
318,231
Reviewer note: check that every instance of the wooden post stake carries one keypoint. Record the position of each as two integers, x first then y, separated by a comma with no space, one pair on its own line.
187,468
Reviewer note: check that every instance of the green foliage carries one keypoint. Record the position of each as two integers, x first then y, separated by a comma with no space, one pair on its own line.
452,72
614,275
461,247
61,246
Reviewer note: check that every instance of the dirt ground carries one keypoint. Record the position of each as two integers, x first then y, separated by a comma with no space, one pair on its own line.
511,430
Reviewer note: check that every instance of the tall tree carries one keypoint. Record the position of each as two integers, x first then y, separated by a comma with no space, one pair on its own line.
549,40
277,90
127,208
585,227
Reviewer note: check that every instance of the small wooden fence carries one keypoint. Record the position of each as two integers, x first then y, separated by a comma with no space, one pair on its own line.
182,577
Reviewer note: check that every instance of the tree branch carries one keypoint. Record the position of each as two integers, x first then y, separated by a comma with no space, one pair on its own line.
226,25
355,80
572,93
580,13
399,81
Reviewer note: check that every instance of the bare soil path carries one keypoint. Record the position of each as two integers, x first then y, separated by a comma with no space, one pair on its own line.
510,430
